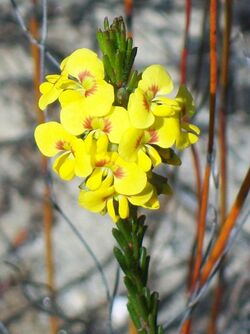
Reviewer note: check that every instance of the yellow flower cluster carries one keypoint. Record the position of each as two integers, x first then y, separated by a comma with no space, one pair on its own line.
113,148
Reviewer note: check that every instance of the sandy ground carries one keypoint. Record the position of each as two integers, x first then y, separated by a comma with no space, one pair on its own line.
158,27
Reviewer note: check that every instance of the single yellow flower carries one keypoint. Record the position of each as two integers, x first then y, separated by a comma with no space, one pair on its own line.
142,107
105,199
78,122
81,84
128,178
73,160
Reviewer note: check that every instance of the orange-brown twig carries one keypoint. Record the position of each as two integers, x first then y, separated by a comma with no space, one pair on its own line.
225,231
47,208
205,187
183,79
222,152
128,7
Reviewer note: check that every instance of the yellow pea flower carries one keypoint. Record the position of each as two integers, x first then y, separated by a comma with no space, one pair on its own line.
81,84
105,199
78,122
128,178
142,107
73,160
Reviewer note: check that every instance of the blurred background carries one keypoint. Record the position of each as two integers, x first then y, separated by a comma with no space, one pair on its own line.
80,304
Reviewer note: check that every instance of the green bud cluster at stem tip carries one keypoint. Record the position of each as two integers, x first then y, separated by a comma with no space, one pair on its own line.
118,58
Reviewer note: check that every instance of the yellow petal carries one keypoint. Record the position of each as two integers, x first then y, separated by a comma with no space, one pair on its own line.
157,77
123,207
153,203
143,161
83,163
51,90
143,197
95,201
185,99
95,179
139,110
99,102
111,209
154,155
129,178
131,142
64,166
117,123
83,60
52,138
164,106
164,131
72,114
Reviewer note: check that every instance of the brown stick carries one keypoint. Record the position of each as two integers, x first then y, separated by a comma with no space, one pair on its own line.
47,208
128,8
225,231
205,189
222,138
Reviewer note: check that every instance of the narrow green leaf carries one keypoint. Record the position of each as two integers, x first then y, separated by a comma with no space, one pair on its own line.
129,47
136,246
132,81
131,287
125,227
119,59
120,258
160,330
100,39
130,61
142,259
108,69
106,23
152,325
154,302
120,240
133,315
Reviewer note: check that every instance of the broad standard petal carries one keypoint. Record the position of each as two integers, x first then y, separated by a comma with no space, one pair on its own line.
129,178
157,79
116,123
83,61
130,144
52,138
139,110
98,102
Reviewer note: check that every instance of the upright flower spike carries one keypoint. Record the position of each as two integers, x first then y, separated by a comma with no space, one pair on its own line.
80,84
73,160
116,126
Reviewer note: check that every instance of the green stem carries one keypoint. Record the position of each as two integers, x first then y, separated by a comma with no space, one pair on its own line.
133,259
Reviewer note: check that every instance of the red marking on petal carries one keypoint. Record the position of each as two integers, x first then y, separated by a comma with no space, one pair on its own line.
60,145
107,125
91,90
154,138
101,163
146,103
88,123
119,173
154,89
138,141
83,75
